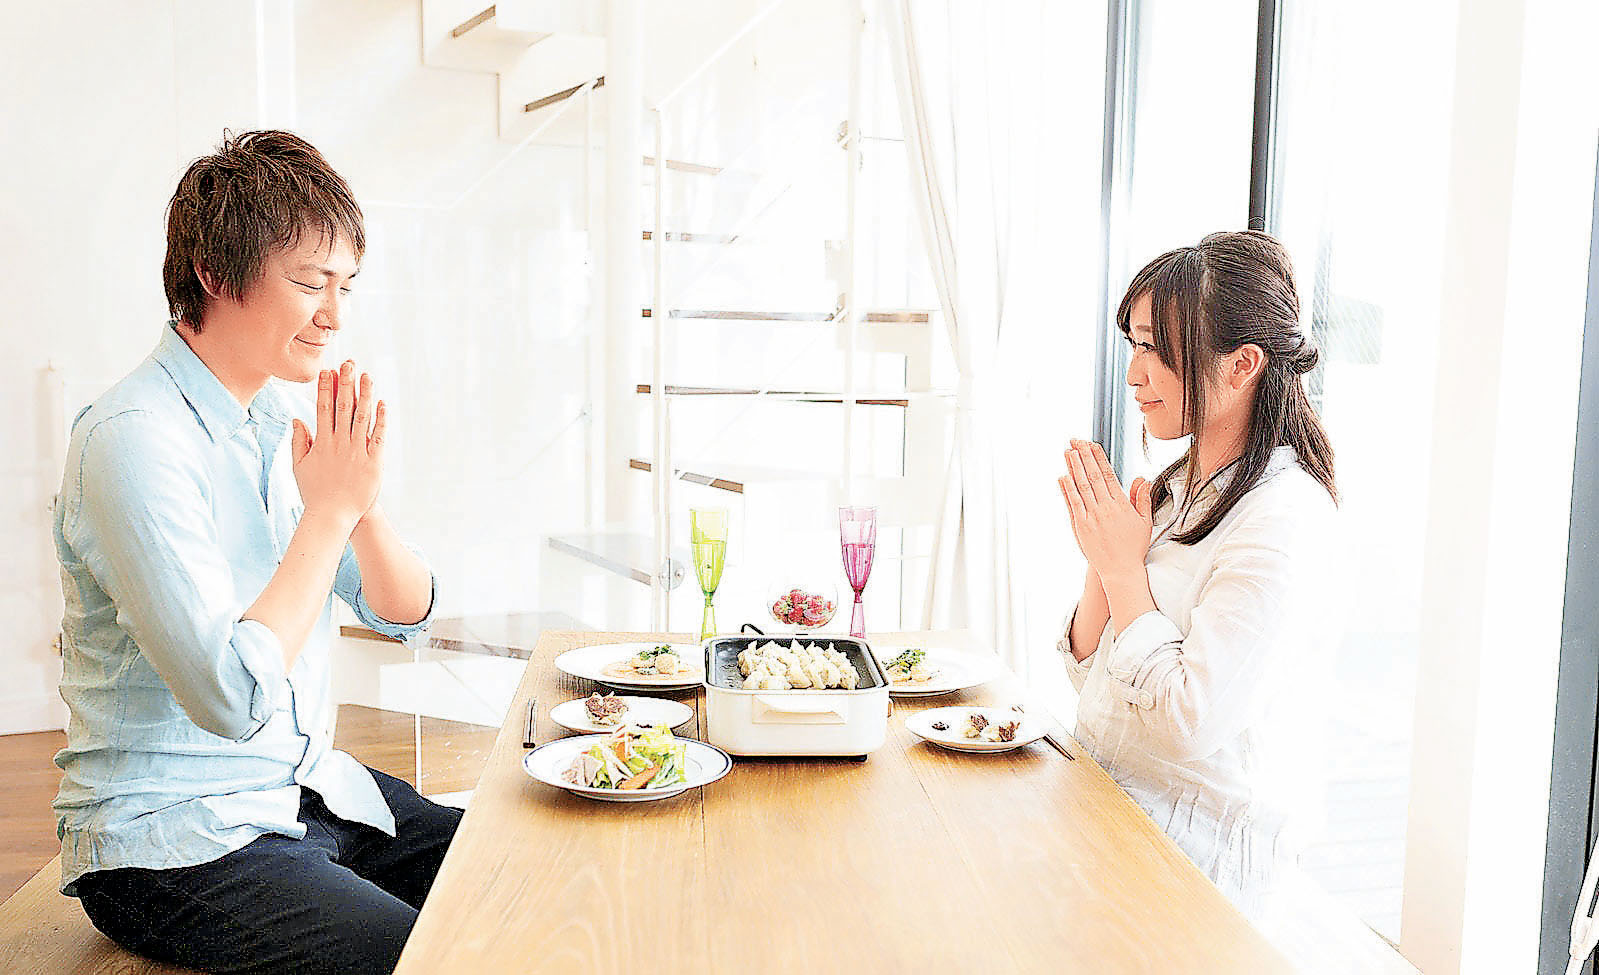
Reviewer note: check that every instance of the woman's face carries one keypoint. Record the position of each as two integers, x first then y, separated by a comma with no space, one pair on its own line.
1158,388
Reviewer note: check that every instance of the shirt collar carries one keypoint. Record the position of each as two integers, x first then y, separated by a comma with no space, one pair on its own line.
220,414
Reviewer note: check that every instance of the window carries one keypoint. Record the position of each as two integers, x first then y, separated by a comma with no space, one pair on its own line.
1362,136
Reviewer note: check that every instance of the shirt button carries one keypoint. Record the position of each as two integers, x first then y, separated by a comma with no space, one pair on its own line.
1146,700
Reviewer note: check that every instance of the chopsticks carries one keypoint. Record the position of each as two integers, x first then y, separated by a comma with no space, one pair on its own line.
1055,744
528,736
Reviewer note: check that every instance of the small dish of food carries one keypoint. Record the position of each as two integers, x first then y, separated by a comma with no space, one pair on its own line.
601,713
631,764
661,660
976,729
931,671
636,666
911,669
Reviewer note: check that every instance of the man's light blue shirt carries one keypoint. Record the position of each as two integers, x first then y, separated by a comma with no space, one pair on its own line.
187,739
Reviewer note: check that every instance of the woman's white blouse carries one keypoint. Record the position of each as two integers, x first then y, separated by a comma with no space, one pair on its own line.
1197,708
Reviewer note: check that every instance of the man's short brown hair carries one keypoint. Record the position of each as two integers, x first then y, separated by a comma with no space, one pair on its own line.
257,194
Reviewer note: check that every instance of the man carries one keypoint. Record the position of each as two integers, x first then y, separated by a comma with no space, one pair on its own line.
205,818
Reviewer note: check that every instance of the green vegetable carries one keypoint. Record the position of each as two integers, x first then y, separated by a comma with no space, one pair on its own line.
602,778
655,652
910,658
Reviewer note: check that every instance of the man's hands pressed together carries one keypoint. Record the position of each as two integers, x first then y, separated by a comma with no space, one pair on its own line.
340,470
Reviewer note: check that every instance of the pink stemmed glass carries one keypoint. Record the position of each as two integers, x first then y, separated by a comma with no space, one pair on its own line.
857,531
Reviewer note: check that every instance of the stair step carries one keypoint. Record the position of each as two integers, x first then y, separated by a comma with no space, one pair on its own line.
734,478
482,17
560,96
720,483
787,395
903,316
462,35
686,167
542,83
673,235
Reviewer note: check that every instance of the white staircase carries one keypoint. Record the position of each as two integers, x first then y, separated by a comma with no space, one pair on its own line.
542,52
757,263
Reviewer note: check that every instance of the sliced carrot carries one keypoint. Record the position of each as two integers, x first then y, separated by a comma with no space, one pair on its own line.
637,781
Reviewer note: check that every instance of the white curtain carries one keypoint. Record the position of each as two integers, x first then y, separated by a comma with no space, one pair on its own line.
972,156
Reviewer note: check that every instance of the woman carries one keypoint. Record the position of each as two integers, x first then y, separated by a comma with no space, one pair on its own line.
1201,600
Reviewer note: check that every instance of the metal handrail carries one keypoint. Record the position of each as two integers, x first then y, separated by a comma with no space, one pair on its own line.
716,55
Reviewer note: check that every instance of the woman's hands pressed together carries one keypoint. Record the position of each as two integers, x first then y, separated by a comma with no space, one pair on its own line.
340,469
1113,528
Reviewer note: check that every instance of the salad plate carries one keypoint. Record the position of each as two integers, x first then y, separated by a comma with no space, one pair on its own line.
574,715
946,670
699,763
956,721
603,663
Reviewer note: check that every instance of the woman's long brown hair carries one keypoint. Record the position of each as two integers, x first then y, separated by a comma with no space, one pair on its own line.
1233,289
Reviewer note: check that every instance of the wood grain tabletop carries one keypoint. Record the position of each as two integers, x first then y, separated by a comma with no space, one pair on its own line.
918,859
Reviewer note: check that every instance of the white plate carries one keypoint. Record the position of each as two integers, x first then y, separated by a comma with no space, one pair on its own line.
589,663
921,724
957,670
704,764
640,710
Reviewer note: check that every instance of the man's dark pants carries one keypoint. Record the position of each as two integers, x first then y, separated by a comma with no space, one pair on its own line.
340,900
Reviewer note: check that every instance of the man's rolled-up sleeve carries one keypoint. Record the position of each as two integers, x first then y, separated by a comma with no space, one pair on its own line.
347,583
143,526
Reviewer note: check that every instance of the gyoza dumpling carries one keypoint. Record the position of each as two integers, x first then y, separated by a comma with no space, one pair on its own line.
816,676
830,675
752,682
746,661
771,682
849,678
797,677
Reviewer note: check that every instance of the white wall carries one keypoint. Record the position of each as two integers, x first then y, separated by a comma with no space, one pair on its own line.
96,128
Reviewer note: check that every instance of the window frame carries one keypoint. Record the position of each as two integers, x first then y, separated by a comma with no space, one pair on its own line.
1121,96
1574,775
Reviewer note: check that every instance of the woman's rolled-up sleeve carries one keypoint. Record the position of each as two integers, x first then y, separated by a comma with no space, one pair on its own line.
347,583
1076,670
1195,691
143,527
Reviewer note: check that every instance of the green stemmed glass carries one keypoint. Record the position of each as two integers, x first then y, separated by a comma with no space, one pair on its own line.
708,548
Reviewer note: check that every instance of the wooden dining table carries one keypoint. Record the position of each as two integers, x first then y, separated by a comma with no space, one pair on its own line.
918,859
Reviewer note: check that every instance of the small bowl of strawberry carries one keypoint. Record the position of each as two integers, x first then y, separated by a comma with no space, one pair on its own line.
804,608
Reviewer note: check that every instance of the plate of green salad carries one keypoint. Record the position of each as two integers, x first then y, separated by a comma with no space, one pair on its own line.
631,764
